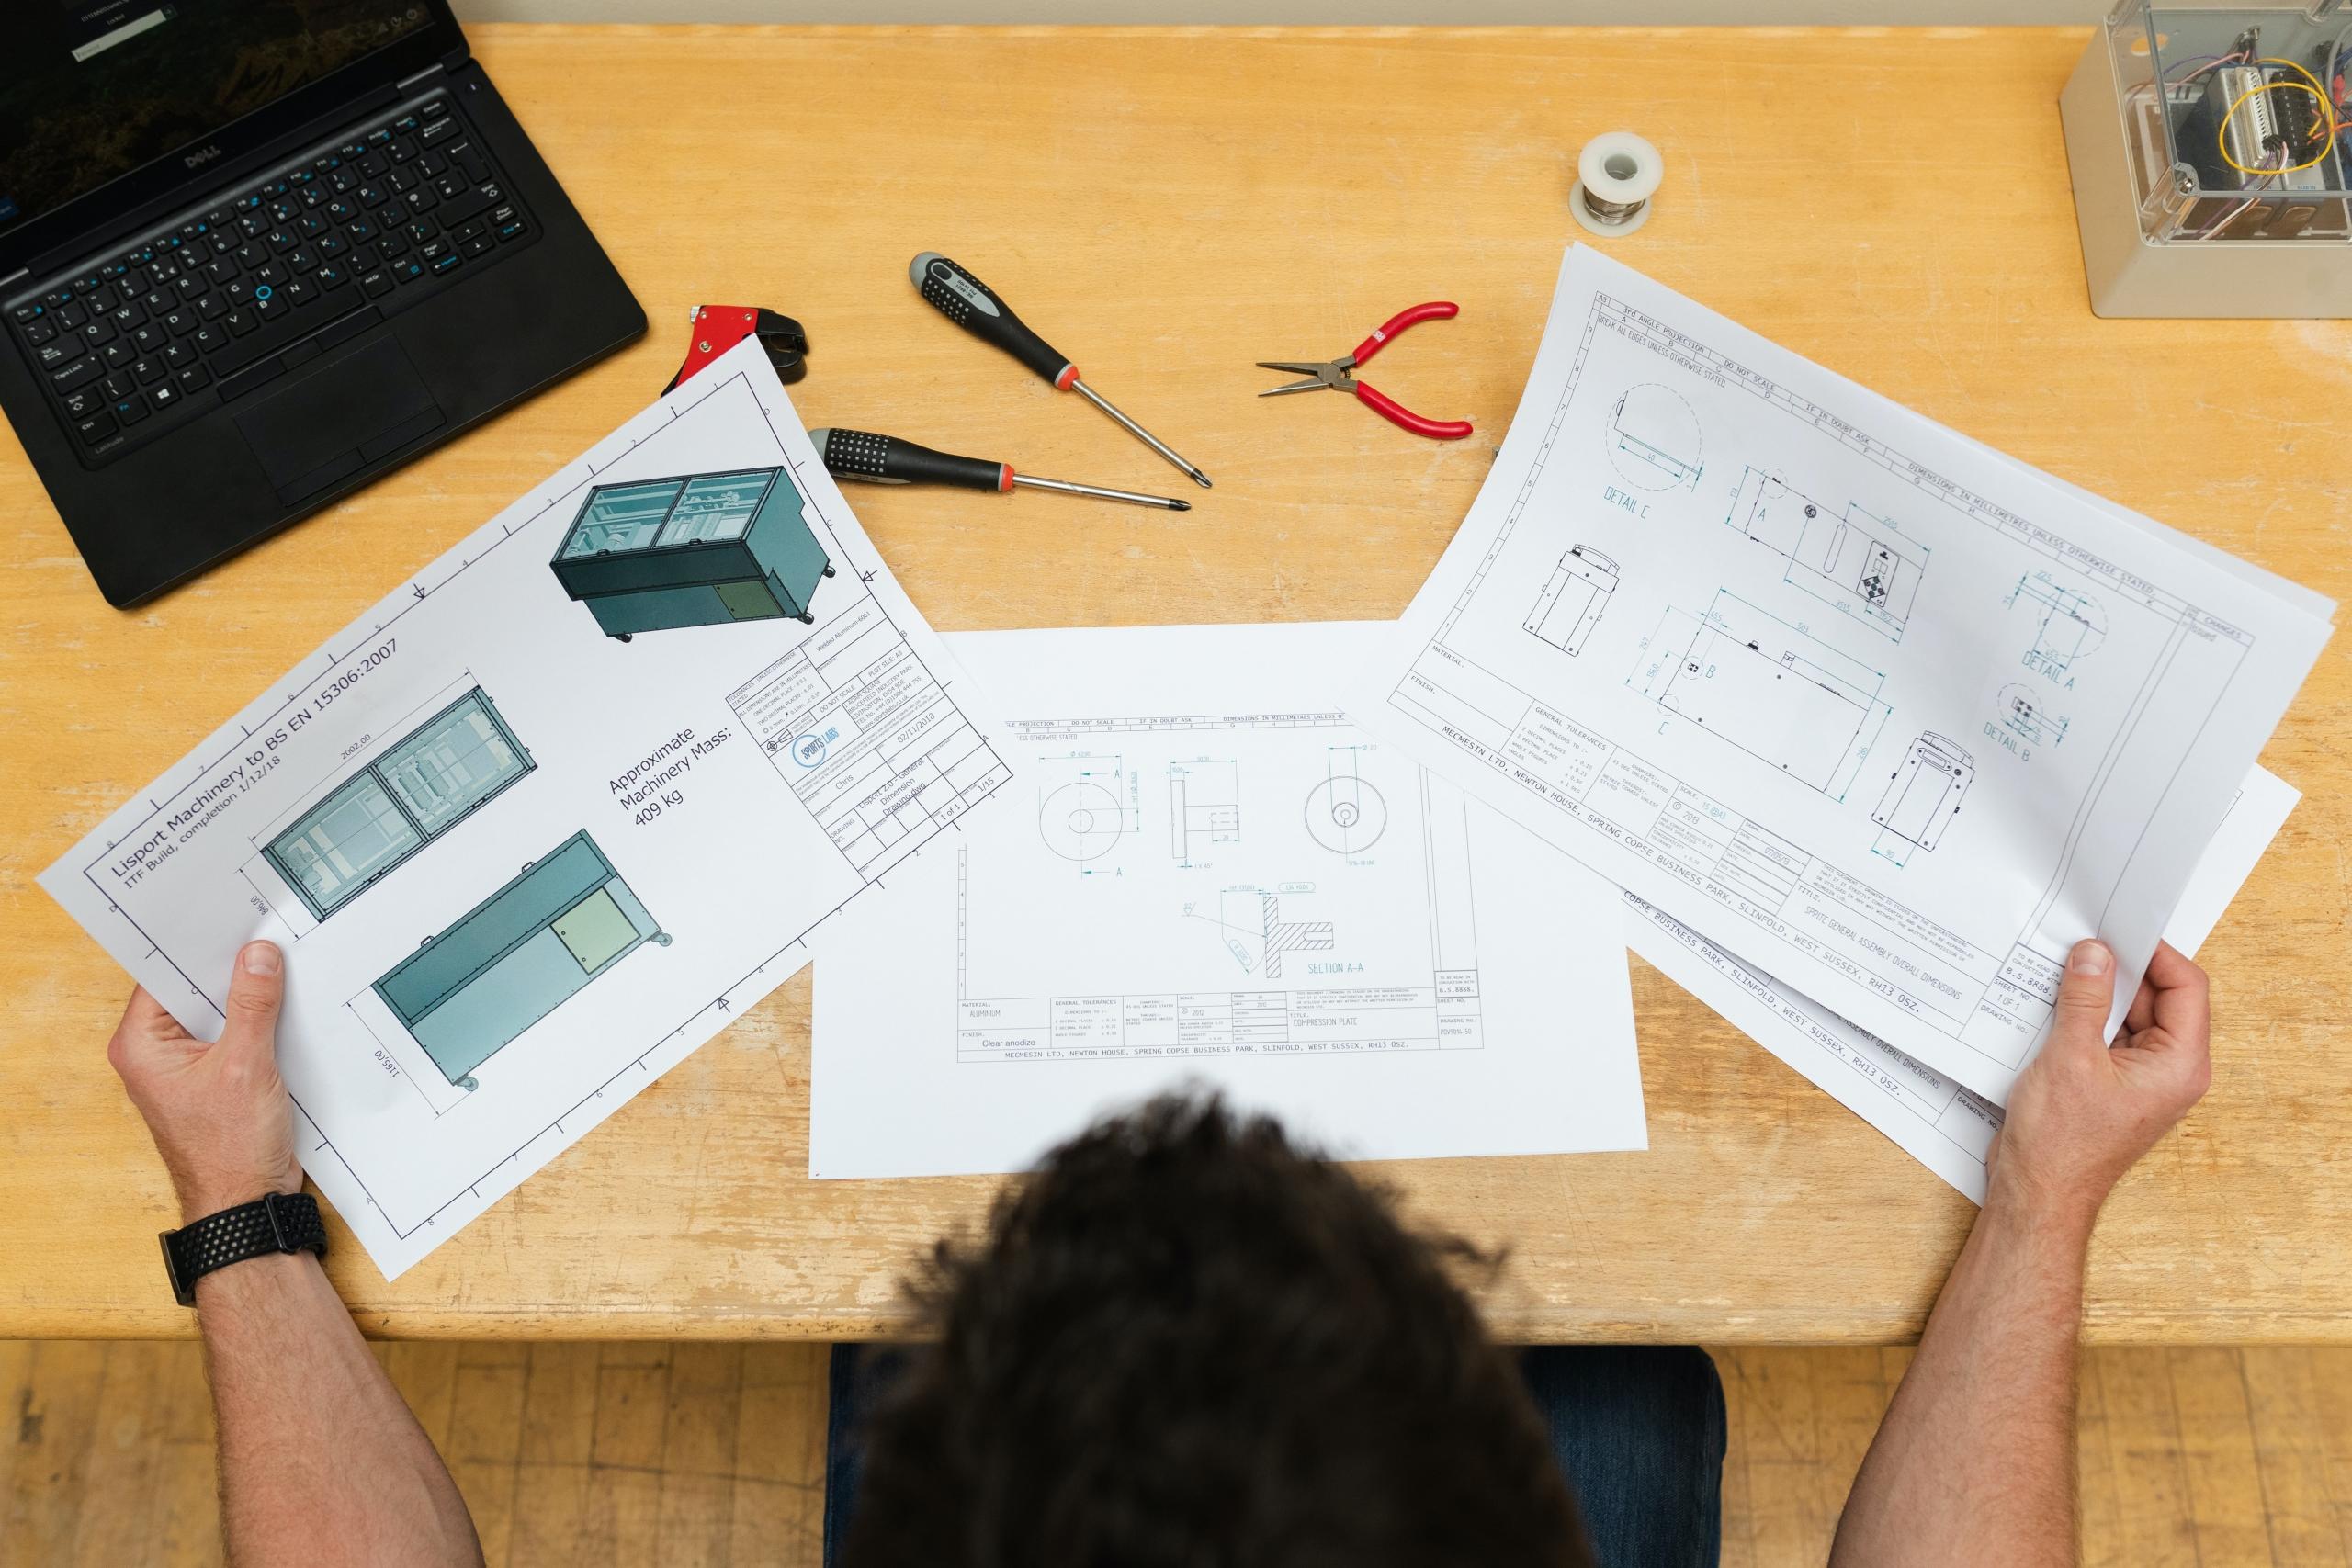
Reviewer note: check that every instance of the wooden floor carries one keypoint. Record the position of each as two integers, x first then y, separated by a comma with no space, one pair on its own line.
713,1455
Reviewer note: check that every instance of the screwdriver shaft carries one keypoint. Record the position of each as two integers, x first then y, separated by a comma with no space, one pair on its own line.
1166,502
1138,431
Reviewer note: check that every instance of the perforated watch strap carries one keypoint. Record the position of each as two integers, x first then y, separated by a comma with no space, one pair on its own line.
282,1222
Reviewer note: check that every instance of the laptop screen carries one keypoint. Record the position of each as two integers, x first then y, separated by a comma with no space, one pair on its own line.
94,89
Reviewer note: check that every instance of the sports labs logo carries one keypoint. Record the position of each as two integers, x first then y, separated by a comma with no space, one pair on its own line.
202,156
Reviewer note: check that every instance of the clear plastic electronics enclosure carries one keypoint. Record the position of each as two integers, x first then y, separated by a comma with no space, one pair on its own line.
2209,178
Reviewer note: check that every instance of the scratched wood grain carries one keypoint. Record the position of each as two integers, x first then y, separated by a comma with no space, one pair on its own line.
1169,206
579,1455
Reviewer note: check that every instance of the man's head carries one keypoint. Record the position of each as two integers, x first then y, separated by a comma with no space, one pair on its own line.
1187,1343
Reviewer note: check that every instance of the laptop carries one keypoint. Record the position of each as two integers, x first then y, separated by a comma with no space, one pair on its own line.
256,253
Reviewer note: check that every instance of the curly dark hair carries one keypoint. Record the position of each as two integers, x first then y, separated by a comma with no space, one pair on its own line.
1187,1343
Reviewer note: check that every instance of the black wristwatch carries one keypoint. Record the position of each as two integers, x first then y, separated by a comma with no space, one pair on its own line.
282,1222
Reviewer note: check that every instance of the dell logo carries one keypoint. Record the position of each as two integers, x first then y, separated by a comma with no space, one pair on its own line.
202,156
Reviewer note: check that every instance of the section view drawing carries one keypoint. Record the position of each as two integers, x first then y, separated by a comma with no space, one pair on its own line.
470,991
1571,603
1858,563
1283,936
2068,625
416,789
2024,715
1203,807
1780,694
1346,814
1250,923
1922,796
696,550
1652,439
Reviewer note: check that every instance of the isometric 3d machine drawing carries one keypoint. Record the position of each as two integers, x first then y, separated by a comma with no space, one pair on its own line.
513,958
424,784
694,550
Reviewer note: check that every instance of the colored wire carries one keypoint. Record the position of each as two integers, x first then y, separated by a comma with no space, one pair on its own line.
2203,65
2222,132
2226,218
2334,126
2336,57
2298,70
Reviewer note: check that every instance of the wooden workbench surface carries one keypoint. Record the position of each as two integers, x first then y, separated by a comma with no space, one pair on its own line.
1170,205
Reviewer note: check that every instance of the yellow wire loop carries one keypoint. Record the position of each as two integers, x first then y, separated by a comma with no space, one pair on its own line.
2327,116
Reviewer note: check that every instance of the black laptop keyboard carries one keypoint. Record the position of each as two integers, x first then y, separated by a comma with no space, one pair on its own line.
205,310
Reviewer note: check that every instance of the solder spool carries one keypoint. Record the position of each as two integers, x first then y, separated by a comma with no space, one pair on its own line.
1617,174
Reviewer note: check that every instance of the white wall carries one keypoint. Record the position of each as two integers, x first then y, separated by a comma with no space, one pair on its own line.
1662,13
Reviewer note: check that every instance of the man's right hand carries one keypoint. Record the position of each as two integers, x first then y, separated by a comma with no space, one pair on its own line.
2084,1110
1975,1460
219,1112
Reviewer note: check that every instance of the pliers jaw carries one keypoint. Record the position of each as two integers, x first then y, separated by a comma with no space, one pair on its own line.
1320,372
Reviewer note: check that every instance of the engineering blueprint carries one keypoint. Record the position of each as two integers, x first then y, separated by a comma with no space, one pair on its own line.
1887,716
521,867
1944,1126
1206,874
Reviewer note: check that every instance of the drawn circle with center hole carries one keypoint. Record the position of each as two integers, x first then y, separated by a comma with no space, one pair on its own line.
1080,822
1652,439
1346,816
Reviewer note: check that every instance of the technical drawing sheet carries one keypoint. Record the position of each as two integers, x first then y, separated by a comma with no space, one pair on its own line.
1206,874
1888,715
542,820
1944,1126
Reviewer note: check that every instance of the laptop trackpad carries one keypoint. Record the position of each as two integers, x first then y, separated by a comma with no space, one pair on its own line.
338,418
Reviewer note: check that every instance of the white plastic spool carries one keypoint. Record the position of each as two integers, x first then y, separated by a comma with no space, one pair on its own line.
1622,170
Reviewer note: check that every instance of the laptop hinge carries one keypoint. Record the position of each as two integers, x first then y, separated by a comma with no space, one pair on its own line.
406,83
219,178
20,272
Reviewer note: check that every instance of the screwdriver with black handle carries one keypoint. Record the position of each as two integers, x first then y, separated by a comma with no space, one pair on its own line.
887,460
974,306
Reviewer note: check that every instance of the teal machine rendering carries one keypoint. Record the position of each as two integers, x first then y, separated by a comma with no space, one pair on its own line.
512,959
421,785
696,550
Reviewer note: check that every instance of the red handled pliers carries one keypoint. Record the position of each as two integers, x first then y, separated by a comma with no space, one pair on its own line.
1333,373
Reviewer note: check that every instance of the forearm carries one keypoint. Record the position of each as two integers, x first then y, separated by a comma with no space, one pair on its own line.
1975,1460
321,1462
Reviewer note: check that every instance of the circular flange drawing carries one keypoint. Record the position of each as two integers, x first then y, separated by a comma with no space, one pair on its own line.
1346,815
1080,822
1652,439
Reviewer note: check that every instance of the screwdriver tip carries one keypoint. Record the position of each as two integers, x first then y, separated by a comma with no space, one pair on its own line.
1179,506
1200,478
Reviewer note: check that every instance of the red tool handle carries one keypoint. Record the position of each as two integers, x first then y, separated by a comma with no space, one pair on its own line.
1397,413
1435,311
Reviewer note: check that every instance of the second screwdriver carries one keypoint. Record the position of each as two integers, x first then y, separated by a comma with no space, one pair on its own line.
886,459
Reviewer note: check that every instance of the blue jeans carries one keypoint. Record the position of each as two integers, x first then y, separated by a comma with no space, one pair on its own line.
1638,1430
